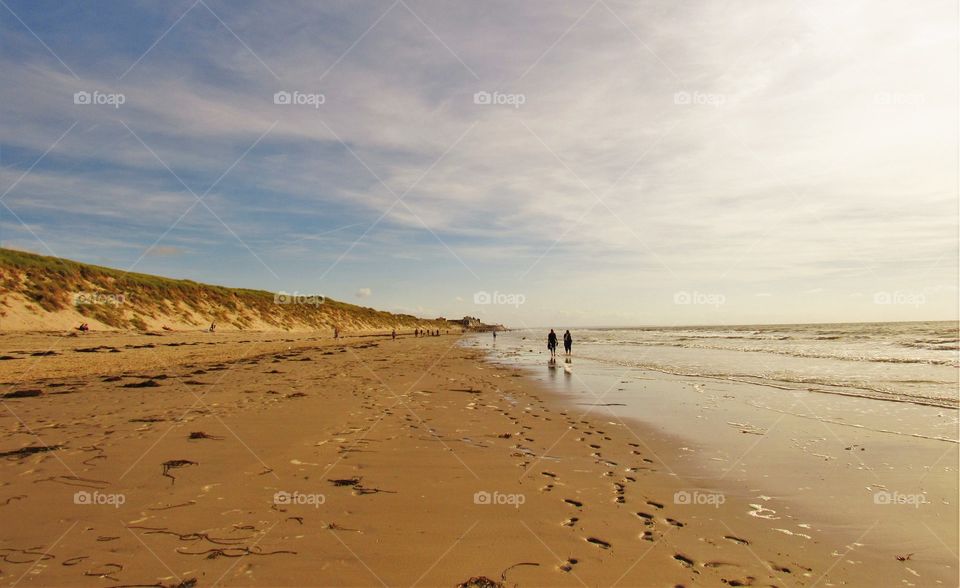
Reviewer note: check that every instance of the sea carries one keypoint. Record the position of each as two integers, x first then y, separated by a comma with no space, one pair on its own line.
913,362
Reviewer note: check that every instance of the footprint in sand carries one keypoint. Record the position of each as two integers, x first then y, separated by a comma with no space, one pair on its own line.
570,522
598,542
674,522
619,488
684,561
573,502
720,564
568,565
655,504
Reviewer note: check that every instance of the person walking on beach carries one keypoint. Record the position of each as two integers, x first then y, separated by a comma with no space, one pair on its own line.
494,335
552,343
393,335
568,342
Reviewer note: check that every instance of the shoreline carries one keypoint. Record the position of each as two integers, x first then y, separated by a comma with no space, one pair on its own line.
786,462
426,464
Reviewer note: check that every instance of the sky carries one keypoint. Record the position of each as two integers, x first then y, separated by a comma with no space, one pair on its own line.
533,164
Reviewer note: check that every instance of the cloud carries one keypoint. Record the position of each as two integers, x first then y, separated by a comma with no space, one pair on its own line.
165,251
364,293
796,157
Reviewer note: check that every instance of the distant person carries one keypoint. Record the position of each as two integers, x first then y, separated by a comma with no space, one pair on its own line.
393,335
336,333
494,334
213,327
568,342
552,343
84,327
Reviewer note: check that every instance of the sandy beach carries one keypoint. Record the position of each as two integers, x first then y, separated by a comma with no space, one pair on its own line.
479,294
277,459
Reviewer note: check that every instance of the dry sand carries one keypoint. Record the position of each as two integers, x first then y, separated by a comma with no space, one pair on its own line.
272,459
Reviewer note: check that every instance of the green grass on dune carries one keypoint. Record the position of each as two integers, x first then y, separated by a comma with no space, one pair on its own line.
52,283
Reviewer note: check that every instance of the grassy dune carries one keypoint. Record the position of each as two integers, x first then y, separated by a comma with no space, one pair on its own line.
40,285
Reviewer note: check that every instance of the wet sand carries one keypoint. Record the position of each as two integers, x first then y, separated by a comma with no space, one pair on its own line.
270,459
879,475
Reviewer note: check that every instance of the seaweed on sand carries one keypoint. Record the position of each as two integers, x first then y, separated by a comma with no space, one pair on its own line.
28,451
234,552
173,464
485,582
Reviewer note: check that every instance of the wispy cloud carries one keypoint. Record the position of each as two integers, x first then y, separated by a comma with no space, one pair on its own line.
630,148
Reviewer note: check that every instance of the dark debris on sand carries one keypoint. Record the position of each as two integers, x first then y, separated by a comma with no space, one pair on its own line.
173,464
143,384
485,582
23,394
28,451
480,582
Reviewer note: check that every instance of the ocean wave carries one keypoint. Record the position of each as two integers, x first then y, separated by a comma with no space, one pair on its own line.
838,355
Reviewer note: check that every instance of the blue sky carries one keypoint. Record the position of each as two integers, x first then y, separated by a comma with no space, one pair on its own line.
641,163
